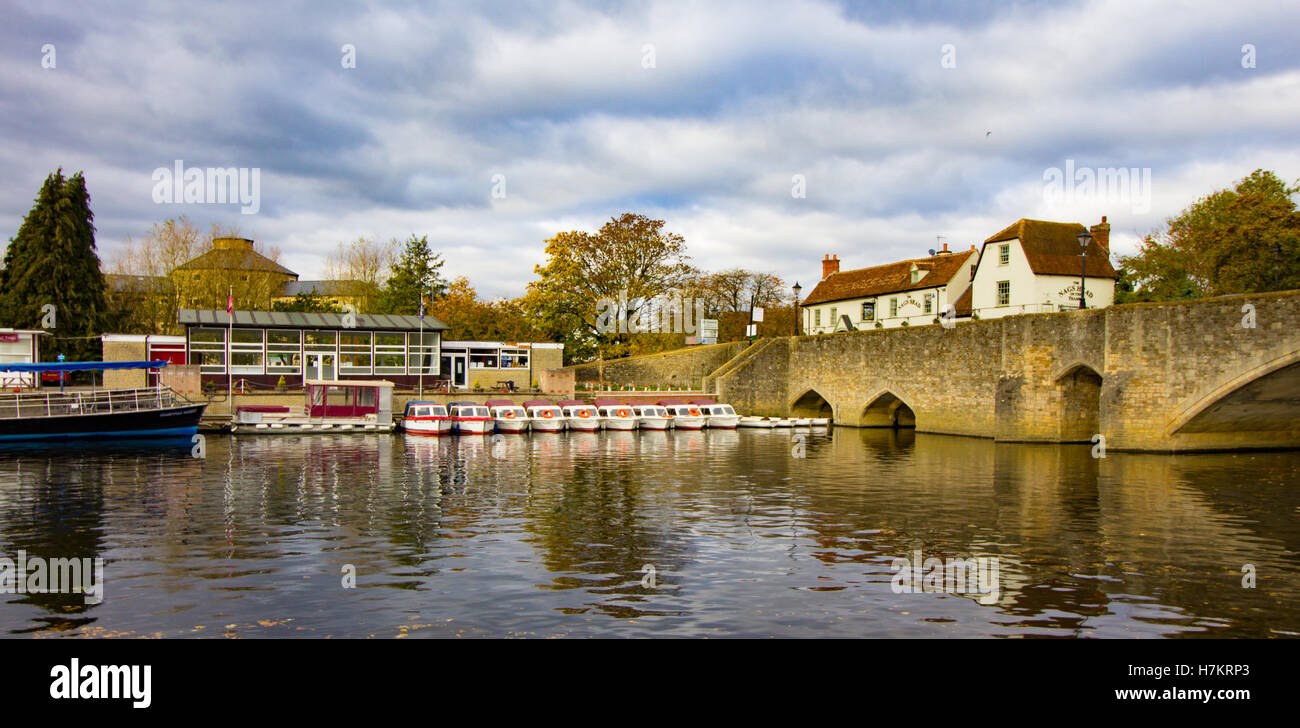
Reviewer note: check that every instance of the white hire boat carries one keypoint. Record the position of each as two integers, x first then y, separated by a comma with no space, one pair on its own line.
651,417
685,416
471,418
821,422
426,418
766,423
544,416
782,422
616,415
717,416
580,415
508,416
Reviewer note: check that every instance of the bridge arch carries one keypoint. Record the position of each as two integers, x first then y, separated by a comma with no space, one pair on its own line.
1265,397
1080,402
811,404
887,410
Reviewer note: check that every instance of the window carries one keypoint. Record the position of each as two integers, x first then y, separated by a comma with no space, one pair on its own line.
1004,293
390,353
283,352
1004,254
354,352
929,302
868,310
482,359
972,272
246,351
834,319
428,352
893,307
916,273
208,350
817,317
514,358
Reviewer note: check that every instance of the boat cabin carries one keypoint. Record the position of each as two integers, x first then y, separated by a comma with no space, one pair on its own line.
369,400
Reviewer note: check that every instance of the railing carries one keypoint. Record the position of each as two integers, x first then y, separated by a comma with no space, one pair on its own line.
103,401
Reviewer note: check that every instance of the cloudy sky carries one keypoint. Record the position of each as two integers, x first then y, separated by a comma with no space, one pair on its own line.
768,134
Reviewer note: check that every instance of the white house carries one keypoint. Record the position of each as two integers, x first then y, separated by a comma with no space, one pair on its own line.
1034,266
915,292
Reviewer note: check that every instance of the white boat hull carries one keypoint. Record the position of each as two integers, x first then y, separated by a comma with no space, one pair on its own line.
652,423
723,422
688,423
507,424
547,424
759,422
427,427
620,424
473,427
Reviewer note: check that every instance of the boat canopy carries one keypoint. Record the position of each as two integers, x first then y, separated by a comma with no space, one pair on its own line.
539,403
81,366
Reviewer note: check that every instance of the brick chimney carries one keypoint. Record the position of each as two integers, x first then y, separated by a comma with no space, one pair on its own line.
1101,233
831,264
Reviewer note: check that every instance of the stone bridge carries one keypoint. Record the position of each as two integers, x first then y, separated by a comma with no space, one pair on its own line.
1211,374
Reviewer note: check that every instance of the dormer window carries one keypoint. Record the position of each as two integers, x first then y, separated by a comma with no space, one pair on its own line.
917,273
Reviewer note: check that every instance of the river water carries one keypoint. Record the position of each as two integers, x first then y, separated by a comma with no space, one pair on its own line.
716,533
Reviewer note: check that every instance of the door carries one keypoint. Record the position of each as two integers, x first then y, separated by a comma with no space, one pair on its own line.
455,365
319,366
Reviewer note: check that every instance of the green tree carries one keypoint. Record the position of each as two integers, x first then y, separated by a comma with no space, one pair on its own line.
414,275
52,261
1240,240
309,302
631,258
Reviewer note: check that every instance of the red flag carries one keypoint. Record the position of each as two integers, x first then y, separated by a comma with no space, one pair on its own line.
230,303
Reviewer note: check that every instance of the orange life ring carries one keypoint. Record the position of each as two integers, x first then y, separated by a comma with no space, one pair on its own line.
510,414
695,412
547,414
584,413
623,413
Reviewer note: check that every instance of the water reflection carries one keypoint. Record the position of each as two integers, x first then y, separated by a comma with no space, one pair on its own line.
620,533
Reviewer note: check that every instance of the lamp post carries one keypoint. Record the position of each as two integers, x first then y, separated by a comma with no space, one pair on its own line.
1085,238
796,307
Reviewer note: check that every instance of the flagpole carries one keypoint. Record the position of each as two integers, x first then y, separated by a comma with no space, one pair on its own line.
230,339
420,395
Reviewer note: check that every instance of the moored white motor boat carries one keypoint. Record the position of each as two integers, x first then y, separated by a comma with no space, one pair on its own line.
426,418
471,418
717,416
685,416
616,415
782,422
766,423
544,416
651,417
580,415
821,421
508,416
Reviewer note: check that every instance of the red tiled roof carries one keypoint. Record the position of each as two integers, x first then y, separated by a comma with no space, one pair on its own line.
963,305
1053,248
889,278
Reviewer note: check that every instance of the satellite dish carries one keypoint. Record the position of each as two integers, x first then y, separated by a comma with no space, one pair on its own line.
931,251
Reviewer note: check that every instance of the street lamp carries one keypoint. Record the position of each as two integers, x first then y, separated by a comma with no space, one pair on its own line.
1085,238
796,307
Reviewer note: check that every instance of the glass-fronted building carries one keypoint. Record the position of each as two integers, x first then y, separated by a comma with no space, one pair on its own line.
267,345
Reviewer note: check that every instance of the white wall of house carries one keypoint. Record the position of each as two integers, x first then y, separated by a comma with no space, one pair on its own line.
1028,293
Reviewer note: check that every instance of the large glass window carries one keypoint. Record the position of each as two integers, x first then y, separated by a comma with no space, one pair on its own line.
514,358
283,352
390,353
1004,254
208,350
246,350
354,352
1004,293
482,358
422,356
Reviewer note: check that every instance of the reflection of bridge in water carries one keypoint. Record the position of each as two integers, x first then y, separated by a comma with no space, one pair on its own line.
1211,374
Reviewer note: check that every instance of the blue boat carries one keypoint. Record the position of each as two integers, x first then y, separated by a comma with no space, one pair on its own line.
98,413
